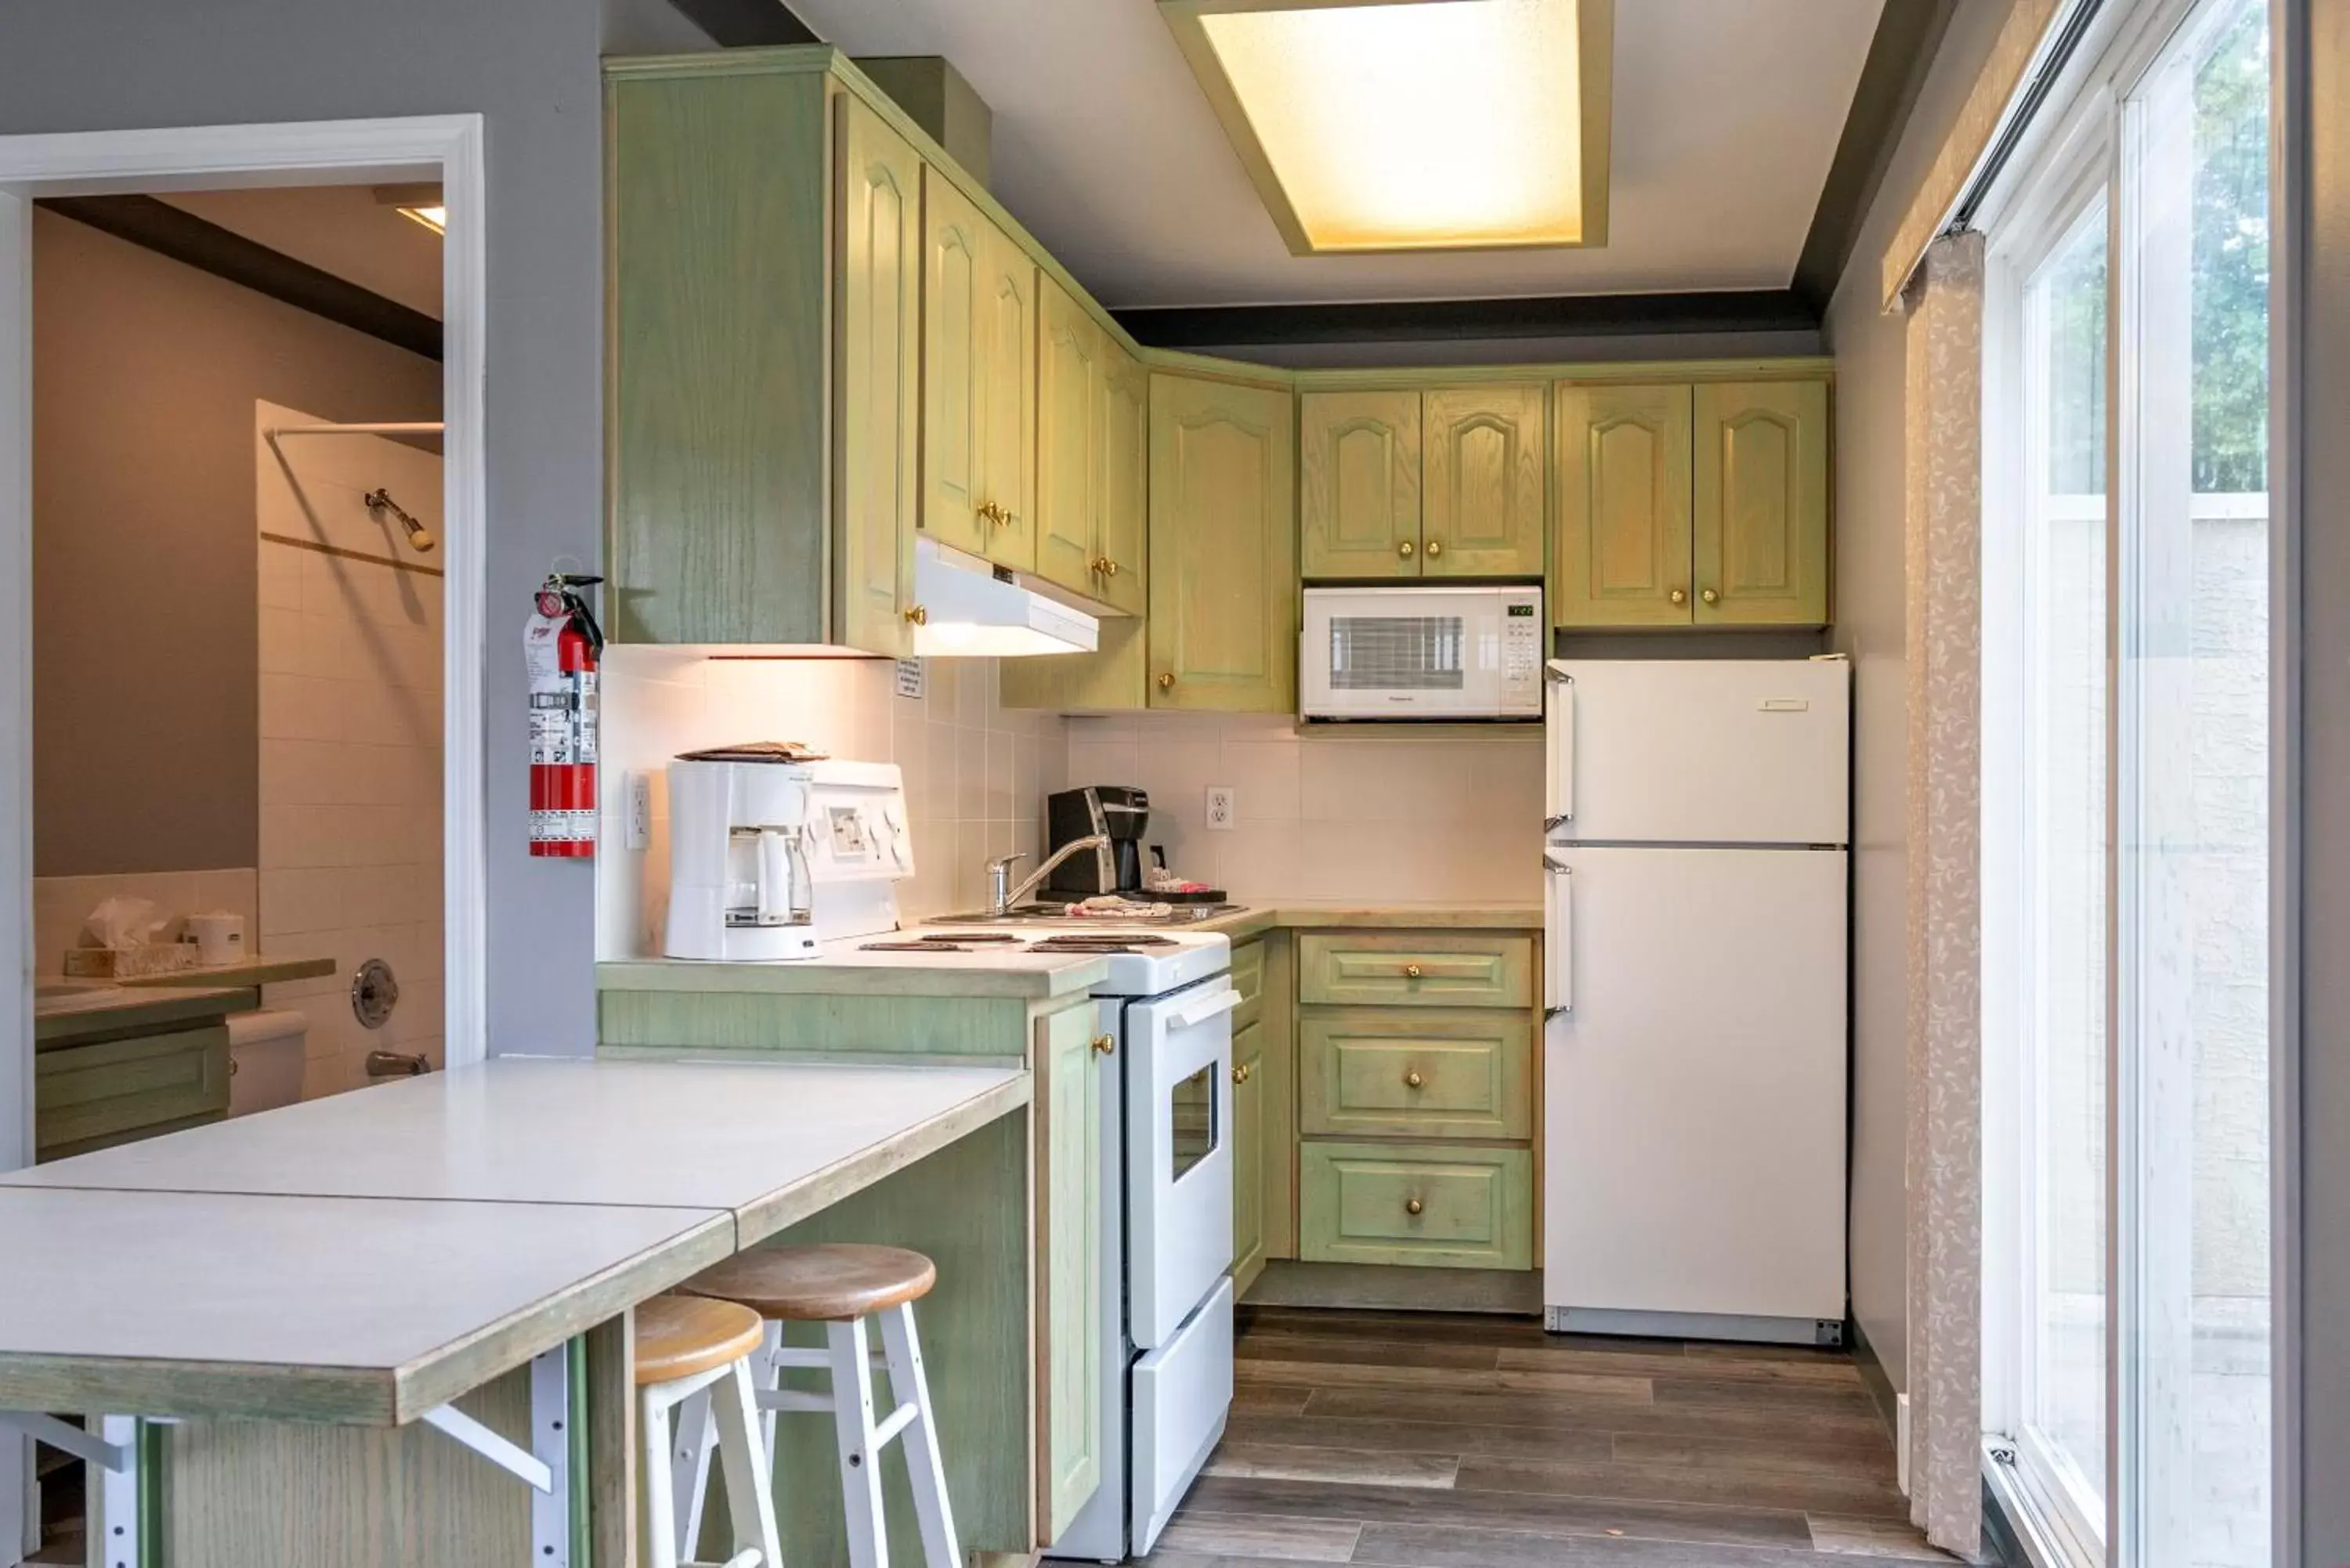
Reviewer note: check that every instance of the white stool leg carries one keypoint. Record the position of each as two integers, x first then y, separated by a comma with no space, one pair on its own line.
860,1470
924,1465
690,1467
657,1529
749,1465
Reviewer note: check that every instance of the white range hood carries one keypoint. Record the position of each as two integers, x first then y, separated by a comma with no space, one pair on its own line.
975,610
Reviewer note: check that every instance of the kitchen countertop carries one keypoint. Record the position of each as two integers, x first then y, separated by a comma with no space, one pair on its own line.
367,1257
843,969
1255,919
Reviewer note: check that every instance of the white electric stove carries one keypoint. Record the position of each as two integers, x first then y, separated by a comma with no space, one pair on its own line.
1166,1250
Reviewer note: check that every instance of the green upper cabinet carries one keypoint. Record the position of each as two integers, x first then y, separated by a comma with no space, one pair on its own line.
1123,582
1486,461
1223,633
1068,1267
1071,400
1760,541
978,381
1701,505
1623,555
954,365
881,347
1358,457
1007,416
716,194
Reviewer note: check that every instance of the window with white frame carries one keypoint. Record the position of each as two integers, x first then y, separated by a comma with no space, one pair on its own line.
2126,782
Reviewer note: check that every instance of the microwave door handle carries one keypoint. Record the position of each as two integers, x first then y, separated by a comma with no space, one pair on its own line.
1559,751
1558,938
1199,1011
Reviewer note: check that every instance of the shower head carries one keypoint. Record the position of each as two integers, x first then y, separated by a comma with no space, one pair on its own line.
420,537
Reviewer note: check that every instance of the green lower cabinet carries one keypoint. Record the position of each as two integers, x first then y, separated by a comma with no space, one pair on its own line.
1248,1154
1068,1267
1455,1207
89,1098
1394,1072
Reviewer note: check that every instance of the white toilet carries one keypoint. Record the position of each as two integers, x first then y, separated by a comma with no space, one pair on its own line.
265,1055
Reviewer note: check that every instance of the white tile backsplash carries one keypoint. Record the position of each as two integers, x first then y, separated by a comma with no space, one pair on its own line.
61,905
975,773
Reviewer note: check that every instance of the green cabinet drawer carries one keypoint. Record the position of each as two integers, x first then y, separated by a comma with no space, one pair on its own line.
1434,1206
1415,969
1248,979
87,1096
1417,1072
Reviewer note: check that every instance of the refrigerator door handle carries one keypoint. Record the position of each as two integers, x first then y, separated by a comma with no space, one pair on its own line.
1558,938
1559,751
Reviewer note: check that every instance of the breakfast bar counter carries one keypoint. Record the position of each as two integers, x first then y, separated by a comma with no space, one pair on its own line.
318,1300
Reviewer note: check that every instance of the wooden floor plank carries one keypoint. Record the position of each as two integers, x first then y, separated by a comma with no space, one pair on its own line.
1229,1536
1504,1511
1870,1456
1789,1396
1649,1363
1451,1546
1351,1466
1846,1539
1440,1379
1268,1398
1413,1437
1798,1491
1553,1411
1272,1345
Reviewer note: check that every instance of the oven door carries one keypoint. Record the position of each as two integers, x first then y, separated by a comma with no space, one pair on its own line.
1179,1155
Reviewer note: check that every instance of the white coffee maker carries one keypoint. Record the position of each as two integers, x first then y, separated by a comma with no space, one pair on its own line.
770,858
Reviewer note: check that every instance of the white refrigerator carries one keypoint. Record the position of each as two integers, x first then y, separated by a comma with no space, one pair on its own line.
1696,840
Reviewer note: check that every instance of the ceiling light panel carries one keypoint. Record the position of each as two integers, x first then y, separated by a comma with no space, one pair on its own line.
1403,125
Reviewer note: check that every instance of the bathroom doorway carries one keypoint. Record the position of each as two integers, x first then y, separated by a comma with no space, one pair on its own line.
416,612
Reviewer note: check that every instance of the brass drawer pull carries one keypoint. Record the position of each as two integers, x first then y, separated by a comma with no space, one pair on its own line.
1709,596
1679,596
1412,1080
1104,1045
1404,549
920,615
1244,1073
1166,682
1435,548
1411,1205
1412,971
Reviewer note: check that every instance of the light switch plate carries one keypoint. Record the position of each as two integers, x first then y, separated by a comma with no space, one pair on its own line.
1220,807
638,832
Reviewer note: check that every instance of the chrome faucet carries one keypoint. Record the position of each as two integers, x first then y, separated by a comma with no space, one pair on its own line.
1001,894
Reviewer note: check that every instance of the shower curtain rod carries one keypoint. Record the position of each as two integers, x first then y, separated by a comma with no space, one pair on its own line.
434,427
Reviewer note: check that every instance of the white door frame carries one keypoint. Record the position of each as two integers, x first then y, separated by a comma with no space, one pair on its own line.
446,148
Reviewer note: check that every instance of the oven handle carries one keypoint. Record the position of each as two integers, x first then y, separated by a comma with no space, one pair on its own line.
1208,1007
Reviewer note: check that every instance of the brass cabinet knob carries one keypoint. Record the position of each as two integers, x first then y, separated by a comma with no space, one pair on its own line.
1404,549
1679,596
1104,1045
919,615
994,514
1411,1205
1108,568
1166,682
1435,548
1709,596
1412,1080
1244,1073
1412,971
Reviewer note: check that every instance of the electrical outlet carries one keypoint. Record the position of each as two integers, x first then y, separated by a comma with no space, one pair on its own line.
638,832
1220,807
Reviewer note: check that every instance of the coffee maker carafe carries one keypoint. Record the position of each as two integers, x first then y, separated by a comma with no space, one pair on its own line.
1120,813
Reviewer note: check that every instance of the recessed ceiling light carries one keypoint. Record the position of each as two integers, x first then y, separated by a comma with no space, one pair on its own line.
1404,125
418,204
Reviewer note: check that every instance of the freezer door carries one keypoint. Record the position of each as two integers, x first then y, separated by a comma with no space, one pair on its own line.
1694,1090
1699,750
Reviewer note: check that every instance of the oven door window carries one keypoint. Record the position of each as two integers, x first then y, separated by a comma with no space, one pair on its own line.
1195,1121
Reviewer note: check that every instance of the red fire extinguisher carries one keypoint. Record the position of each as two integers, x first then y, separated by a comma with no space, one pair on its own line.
560,647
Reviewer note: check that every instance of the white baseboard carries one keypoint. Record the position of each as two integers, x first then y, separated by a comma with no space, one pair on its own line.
1901,1442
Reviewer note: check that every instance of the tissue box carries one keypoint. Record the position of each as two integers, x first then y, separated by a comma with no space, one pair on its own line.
123,963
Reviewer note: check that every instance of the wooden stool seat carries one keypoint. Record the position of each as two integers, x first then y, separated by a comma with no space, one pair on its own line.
833,1283
680,1336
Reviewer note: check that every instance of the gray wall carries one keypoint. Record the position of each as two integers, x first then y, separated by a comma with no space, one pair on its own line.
1871,364
2315,339
144,578
530,68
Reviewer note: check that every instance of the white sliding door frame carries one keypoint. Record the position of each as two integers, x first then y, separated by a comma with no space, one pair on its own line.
443,147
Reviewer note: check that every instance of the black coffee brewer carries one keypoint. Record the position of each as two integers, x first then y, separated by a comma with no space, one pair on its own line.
1118,811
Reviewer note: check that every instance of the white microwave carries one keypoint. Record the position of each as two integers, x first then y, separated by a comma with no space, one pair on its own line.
1424,653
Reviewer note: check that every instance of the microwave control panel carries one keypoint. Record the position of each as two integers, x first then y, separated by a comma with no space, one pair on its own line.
1521,655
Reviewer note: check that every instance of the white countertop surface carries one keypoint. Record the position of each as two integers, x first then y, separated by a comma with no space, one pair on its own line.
369,1256
691,1135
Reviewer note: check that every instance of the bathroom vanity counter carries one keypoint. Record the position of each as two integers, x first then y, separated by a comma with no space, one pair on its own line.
320,1295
